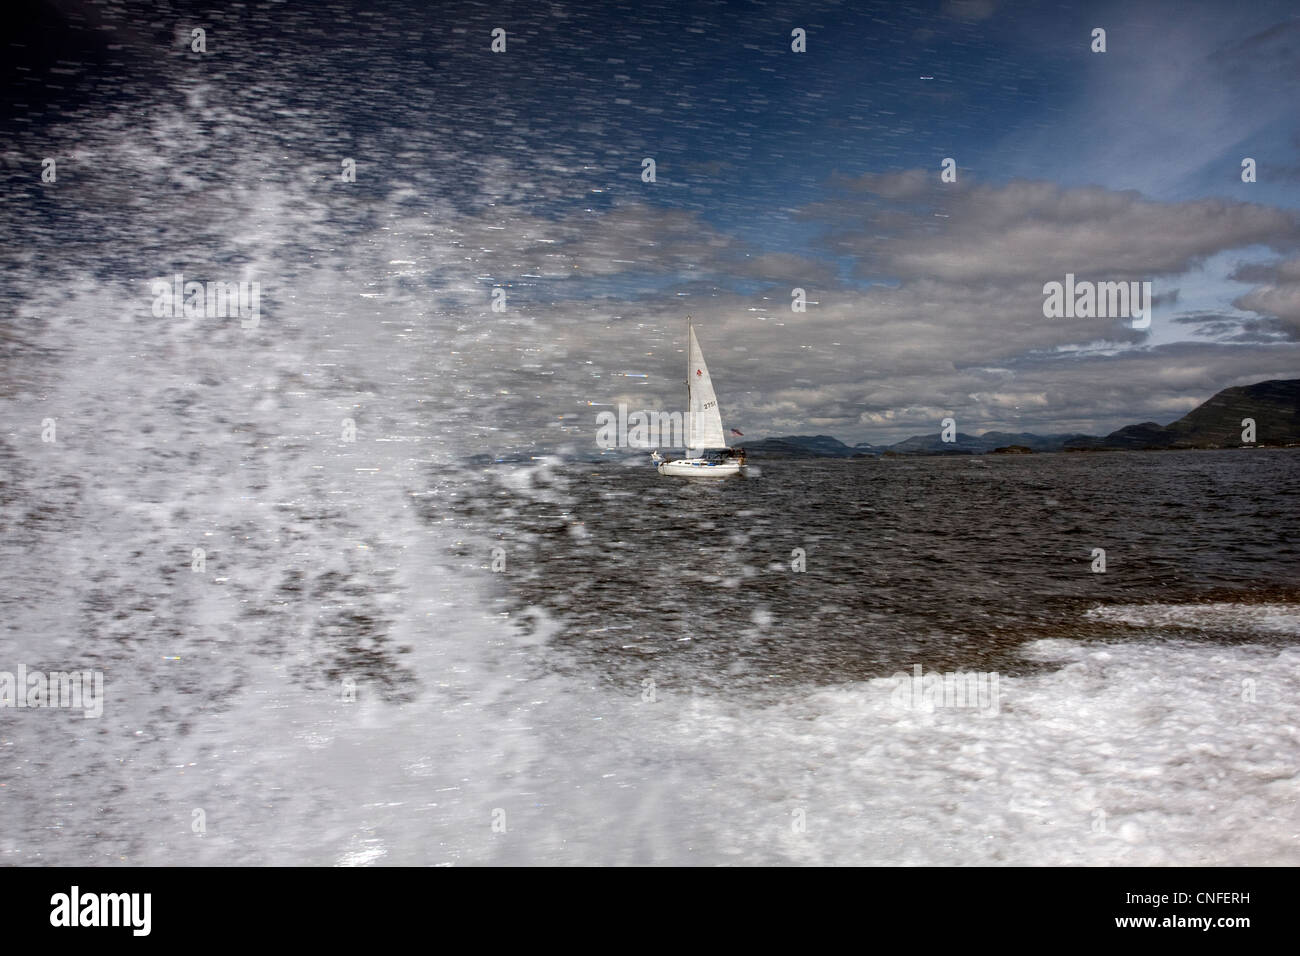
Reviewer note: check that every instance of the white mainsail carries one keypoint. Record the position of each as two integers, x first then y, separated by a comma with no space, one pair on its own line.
703,419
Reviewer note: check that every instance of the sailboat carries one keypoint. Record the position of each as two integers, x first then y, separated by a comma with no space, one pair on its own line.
703,424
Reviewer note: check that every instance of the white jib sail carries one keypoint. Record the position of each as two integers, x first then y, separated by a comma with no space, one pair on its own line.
703,419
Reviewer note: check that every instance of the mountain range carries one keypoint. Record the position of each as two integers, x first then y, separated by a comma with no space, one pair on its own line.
1274,406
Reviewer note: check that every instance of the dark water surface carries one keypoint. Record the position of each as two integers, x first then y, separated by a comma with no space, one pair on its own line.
948,562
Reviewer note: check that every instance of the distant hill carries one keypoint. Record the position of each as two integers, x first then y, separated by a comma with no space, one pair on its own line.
799,446
1028,440
824,446
1274,405
935,445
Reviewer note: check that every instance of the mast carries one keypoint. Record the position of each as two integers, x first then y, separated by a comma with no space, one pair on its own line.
687,437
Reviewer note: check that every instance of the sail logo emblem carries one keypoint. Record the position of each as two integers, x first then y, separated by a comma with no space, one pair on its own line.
698,372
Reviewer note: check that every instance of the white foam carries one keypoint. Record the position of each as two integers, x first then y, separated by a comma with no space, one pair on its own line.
1228,616
1127,755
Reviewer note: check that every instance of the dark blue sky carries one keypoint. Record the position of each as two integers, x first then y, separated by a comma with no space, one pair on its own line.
775,170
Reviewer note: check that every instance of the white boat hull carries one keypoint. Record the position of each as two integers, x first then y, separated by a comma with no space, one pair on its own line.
699,468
